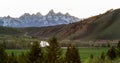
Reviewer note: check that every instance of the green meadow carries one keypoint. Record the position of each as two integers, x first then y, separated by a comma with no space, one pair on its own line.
84,52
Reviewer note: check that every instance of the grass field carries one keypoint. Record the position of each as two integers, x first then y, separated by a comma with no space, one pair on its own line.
84,52
16,52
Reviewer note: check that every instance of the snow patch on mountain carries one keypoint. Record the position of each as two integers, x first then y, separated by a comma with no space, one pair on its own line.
38,20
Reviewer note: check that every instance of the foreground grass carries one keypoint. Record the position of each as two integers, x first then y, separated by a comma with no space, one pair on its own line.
84,52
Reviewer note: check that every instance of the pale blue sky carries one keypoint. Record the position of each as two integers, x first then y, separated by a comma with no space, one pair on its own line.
78,8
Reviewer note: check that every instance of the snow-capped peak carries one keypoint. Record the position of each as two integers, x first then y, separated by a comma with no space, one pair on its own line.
26,14
38,20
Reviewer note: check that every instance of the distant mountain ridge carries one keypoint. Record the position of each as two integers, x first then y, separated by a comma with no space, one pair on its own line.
38,20
103,26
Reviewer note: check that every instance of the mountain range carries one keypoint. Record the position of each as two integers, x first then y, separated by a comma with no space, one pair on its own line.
102,26
38,20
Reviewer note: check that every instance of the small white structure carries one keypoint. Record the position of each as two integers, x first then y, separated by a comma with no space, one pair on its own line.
44,43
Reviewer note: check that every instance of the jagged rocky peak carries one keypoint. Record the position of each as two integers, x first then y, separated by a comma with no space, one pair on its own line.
33,14
7,16
67,14
59,13
38,14
25,15
51,12
39,20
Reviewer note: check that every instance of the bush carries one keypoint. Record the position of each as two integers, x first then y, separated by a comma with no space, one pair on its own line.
112,53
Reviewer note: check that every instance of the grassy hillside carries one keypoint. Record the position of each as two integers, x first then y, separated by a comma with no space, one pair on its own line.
9,31
107,27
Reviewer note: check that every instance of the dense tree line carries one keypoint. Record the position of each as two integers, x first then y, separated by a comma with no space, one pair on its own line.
53,54
23,42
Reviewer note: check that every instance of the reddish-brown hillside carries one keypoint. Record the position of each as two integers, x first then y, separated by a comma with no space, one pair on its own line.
102,26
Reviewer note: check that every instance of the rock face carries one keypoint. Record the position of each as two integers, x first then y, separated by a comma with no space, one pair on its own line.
38,20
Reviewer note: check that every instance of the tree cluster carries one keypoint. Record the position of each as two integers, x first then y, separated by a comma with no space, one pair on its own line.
38,54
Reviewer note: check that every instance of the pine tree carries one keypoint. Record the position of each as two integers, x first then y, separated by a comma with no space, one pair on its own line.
4,44
72,55
91,56
118,45
68,54
118,49
108,45
112,53
102,56
53,54
3,55
35,55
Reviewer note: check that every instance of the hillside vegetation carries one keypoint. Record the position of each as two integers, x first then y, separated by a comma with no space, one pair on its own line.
102,26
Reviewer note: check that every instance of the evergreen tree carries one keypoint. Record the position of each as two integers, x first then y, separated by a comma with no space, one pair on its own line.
3,55
72,55
68,54
102,56
118,49
53,54
118,45
35,55
91,56
4,44
112,53
108,45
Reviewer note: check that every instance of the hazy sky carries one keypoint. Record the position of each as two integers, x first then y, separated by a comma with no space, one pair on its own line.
78,8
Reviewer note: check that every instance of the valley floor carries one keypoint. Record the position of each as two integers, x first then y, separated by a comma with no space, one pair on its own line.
84,52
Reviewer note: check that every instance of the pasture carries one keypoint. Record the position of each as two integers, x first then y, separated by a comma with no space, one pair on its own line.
84,52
